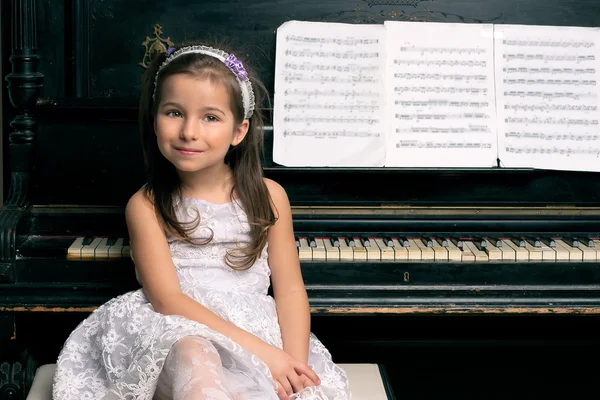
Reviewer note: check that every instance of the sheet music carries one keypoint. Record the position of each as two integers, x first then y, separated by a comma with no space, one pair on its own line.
548,97
440,95
329,95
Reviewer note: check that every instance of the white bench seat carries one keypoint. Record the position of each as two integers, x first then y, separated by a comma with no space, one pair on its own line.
366,382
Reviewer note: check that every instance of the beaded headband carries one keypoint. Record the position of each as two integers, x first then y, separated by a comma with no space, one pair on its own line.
229,60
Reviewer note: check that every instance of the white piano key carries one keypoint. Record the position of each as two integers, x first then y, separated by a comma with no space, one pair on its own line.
454,253
414,252
400,252
427,253
373,251
87,251
575,254
333,252
346,252
440,253
115,250
318,251
480,256
305,251
74,251
360,252
101,251
521,253
387,252
493,252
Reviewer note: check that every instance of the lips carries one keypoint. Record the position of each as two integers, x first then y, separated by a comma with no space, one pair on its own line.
187,151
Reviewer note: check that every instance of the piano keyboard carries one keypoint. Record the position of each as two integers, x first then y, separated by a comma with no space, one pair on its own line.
350,248
98,248
387,248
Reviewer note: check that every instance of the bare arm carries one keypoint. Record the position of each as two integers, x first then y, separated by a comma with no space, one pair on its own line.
159,278
288,287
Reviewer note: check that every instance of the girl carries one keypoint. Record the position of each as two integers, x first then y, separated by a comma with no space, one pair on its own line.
206,233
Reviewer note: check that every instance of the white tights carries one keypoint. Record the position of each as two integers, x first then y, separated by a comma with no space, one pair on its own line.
192,371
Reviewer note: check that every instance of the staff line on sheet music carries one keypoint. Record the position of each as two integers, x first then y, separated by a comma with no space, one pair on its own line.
331,54
551,121
320,106
331,79
550,107
437,129
553,71
554,150
548,43
420,116
554,136
439,63
330,134
307,66
338,41
418,144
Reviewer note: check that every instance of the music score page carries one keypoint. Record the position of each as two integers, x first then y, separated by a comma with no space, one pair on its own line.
548,96
329,95
440,95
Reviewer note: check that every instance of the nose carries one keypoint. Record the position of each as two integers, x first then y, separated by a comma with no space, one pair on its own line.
190,130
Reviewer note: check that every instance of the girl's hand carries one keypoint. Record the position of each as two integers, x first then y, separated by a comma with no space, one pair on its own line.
291,375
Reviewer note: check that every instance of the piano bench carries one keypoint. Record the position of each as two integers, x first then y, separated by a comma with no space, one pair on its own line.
367,382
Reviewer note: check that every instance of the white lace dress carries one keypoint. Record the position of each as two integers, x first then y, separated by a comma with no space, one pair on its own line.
126,350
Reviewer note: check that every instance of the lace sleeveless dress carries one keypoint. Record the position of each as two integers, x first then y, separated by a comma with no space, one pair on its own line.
120,350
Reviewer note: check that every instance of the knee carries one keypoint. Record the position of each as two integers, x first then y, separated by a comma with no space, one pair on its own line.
192,348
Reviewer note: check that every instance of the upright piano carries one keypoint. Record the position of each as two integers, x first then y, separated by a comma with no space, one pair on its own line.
375,244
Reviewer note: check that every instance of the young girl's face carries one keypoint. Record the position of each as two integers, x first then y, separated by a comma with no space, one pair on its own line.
194,124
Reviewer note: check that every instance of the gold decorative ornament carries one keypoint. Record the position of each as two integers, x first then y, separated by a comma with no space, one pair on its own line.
155,45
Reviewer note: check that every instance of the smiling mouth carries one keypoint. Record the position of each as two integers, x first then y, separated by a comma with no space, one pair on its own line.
188,151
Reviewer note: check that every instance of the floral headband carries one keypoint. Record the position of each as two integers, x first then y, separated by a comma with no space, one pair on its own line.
229,60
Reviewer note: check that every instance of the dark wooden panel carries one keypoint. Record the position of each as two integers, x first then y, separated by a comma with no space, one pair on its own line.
104,37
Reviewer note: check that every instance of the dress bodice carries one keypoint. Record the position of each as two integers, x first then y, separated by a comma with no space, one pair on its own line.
203,266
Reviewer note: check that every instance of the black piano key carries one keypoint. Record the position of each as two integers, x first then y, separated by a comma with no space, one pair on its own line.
441,241
88,240
350,241
497,242
365,241
534,241
548,241
403,241
388,241
479,242
297,242
571,241
312,242
111,240
457,242
427,241
334,241
518,241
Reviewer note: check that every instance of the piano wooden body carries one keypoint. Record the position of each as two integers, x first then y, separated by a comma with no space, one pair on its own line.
377,245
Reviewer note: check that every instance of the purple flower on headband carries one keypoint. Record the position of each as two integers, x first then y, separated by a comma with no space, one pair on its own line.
236,66
170,51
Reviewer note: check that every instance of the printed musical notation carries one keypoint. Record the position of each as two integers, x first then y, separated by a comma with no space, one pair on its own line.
547,94
407,94
329,88
441,95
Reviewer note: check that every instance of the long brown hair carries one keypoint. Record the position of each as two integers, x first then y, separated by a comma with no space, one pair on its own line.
163,183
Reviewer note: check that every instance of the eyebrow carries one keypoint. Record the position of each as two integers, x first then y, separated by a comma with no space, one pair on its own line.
177,105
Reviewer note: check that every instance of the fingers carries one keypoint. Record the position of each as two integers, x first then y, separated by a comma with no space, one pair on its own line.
302,368
281,392
306,382
287,387
296,382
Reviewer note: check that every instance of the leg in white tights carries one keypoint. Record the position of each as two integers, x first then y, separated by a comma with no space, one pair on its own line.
192,371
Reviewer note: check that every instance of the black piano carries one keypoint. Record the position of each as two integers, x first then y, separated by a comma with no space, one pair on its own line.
388,255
